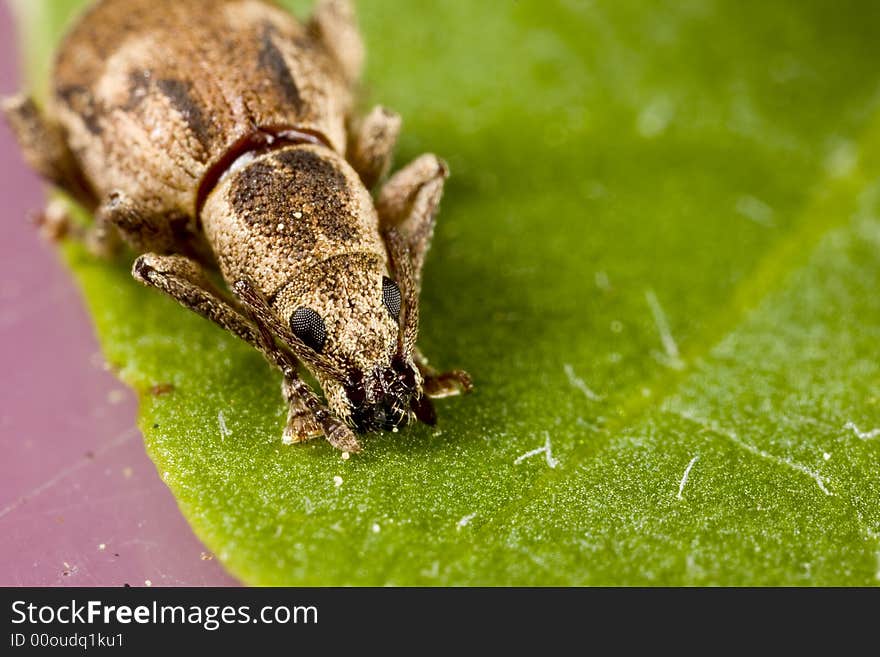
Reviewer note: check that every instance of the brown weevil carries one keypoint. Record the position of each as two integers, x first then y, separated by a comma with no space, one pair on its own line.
219,135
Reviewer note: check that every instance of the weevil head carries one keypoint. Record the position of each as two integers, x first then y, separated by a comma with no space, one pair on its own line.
299,224
346,311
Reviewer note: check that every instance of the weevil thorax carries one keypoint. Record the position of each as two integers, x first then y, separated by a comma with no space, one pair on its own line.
299,225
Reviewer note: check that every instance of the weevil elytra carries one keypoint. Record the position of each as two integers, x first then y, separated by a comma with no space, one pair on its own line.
219,134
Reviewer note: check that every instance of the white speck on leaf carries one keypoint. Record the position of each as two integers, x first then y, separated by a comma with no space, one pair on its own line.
655,117
224,430
465,521
376,528
736,440
602,281
826,455
754,209
522,457
684,477
148,582
337,481
548,454
671,357
863,435
578,383
841,160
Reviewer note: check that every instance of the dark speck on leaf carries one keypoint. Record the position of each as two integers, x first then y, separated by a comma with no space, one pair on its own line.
161,389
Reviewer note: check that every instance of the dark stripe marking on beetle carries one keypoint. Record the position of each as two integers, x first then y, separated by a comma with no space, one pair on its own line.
80,100
272,60
290,181
307,172
179,94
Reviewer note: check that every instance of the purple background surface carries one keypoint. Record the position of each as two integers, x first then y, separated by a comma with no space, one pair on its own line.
80,502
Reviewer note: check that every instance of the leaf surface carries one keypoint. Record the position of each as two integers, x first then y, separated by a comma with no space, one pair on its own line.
658,255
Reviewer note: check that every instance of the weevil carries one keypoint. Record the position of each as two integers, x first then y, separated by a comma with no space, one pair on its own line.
220,136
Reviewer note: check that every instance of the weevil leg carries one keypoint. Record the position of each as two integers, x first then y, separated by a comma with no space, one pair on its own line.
301,423
146,230
185,281
117,215
334,24
55,223
140,228
371,146
441,384
45,148
308,417
338,434
409,202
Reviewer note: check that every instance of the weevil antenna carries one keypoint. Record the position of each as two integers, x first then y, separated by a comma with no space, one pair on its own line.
262,315
401,264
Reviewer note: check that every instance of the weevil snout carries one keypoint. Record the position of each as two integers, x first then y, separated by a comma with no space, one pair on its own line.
385,415
388,398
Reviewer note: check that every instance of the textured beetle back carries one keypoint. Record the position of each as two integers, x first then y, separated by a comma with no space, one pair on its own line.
284,212
153,93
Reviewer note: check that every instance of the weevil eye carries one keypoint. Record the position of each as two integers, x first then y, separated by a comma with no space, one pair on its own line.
391,297
308,326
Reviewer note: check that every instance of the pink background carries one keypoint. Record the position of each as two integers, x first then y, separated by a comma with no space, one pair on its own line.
74,475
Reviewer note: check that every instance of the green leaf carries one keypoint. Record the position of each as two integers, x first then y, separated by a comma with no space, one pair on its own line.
658,255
